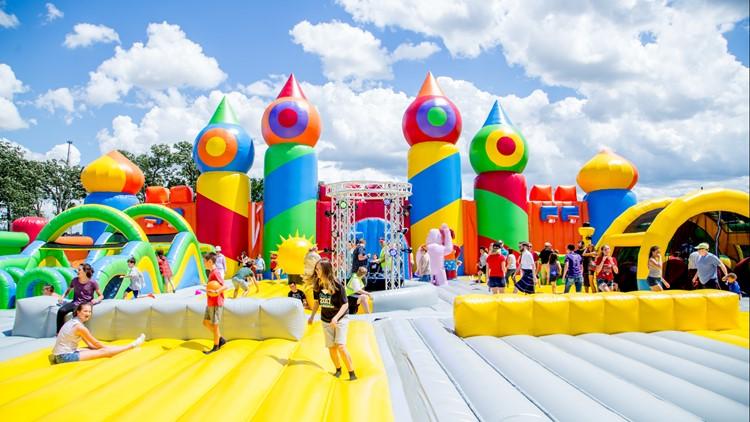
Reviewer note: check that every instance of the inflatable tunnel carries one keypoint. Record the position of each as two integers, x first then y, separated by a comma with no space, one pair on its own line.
720,217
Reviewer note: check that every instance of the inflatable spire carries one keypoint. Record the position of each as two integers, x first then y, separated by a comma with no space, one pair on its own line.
224,153
291,128
431,126
499,153
110,180
607,180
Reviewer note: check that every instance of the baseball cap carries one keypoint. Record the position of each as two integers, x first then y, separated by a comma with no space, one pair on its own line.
703,245
497,245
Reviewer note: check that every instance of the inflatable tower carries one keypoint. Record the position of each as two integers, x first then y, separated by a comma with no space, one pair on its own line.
291,127
499,153
431,126
110,180
607,180
223,152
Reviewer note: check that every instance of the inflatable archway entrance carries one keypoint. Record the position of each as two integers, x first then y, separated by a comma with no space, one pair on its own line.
655,222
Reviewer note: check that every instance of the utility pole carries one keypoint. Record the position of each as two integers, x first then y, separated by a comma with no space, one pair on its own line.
67,160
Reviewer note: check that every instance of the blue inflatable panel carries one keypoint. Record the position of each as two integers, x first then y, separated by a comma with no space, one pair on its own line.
567,211
118,200
546,211
606,205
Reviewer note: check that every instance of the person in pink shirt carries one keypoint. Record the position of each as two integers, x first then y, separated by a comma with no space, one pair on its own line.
166,271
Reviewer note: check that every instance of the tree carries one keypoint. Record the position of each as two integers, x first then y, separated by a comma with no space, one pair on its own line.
256,189
19,184
62,184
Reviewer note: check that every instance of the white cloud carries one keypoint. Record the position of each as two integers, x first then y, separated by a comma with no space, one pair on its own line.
53,12
353,54
60,98
167,60
8,20
10,119
348,53
409,51
86,34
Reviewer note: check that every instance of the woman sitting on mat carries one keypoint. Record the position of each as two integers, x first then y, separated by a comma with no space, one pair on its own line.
66,344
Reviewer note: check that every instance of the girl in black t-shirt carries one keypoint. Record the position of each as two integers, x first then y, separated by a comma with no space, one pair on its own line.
330,297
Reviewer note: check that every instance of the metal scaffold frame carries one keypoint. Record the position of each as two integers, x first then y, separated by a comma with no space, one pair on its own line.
344,198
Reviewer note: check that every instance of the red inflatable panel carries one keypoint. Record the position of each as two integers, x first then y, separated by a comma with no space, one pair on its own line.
180,194
157,195
540,193
566,193
29,225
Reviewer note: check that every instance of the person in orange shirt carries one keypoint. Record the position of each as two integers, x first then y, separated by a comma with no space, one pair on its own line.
214,303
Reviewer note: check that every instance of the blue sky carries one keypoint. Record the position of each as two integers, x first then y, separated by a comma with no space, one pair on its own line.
571,84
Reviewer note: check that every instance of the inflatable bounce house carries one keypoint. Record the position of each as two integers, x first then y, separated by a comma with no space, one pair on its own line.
442,351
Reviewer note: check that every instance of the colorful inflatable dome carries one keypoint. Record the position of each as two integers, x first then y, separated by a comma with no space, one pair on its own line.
112,172
223,145
607,170
291,119
431,116
498,146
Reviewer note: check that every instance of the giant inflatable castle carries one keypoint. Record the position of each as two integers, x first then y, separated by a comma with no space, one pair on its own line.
296,210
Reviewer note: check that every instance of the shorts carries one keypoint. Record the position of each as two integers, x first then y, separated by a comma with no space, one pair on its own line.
135,292
653,281
483,269
496,282
425,277
450,265
239,283
608,283
64,358
213,314
336,335
510,273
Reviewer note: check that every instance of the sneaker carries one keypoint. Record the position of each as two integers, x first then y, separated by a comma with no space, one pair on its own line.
137,342
352,376
337,373
222,342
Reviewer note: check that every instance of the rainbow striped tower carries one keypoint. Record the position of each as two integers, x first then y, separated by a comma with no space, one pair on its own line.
223,152
499,154
291,128
431,126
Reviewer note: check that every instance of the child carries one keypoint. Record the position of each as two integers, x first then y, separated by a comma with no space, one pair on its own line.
244,274
510,274
732,284
136,279
554,271
356,290
48,290
573,271
606,268
220,263
214,304
330,296
260,266
166,271
275,271
296,293
654,279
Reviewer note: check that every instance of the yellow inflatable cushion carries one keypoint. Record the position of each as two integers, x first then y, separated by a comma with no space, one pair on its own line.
502,315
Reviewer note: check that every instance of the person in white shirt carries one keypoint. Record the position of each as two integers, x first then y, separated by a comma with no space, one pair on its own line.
512,267
528,270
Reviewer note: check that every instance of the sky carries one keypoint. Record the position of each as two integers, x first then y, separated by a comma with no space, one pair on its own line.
665,84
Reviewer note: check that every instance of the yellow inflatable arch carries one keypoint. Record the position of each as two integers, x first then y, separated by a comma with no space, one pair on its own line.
666,215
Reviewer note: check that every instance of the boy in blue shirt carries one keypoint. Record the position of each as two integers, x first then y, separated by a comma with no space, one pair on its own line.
732,284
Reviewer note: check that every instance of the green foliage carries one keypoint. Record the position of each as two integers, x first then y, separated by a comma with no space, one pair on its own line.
62,184
256,189
167,165
19,185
